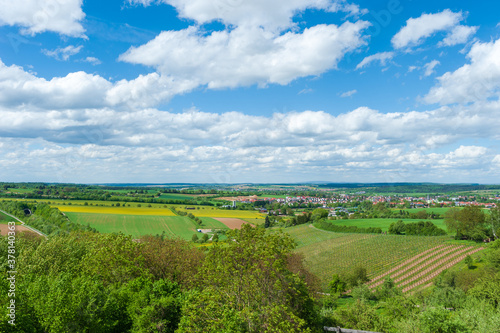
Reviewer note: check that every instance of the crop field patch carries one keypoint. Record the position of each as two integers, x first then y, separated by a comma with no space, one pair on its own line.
137,225
176,196
211,223
327,253
117,210
231,223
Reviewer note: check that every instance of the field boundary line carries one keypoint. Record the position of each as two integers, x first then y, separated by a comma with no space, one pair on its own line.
25,225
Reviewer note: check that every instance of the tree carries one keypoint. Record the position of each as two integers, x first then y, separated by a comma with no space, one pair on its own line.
336,285
468,222
357,276
319,213
267,223
195,238
215,237
494,221
204,238
469,262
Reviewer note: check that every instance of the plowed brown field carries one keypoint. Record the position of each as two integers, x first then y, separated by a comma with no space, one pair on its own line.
231,223
4,229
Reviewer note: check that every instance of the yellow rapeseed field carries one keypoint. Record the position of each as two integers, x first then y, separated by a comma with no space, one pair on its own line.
116,210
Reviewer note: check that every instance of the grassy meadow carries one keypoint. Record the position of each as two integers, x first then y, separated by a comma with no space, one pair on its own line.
4,219
137,225
383,223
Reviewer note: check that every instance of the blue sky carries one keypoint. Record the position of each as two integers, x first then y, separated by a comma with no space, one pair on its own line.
249,91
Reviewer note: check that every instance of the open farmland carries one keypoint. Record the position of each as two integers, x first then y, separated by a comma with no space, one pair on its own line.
383,223
327,253
231,223
435,210
137,225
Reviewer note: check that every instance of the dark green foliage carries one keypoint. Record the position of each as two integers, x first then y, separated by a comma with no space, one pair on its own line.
246,286
204,238
356,277
337,285
267,223
387,290
397,228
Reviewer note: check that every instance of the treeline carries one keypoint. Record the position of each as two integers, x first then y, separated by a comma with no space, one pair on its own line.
44,218
324,225
412,187
420,228
191,216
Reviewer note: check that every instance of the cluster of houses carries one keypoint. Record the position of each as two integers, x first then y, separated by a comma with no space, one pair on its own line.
408,201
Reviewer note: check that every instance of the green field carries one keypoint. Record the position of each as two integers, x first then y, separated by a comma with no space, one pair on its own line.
327,253
254,221
382,223
176,196
277,196
135,225
436,210
20,190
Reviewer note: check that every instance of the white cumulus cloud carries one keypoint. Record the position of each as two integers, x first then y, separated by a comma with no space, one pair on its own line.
272,15
429,67
418,29
63,53
478,80
459,35
82,90
382,57
245,57
63,17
